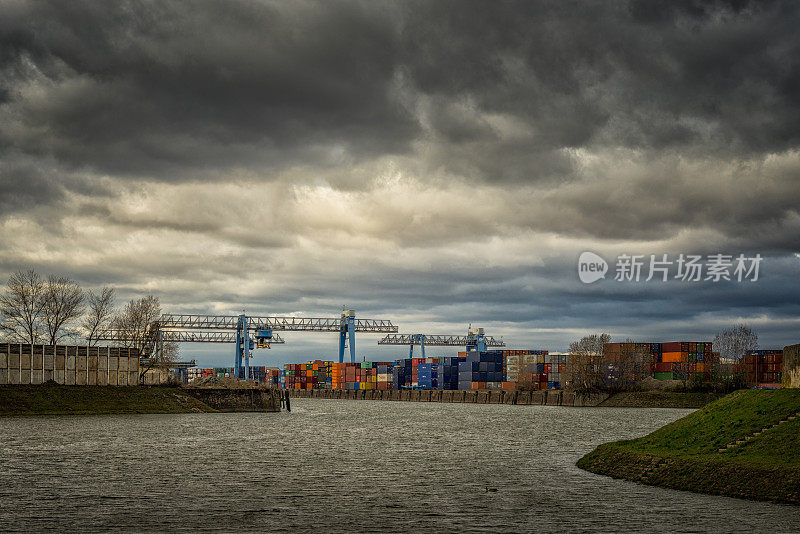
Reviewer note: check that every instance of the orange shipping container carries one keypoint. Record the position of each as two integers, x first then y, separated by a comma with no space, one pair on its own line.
671,357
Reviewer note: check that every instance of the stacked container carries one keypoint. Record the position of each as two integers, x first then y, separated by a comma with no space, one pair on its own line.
402,374
448,373
481,370
223,372
664,361
554,366
519,366
427,375
683,360
762,368
384,376
539,371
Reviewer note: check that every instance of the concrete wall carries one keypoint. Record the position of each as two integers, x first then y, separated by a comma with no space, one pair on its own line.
791,366
543,397
155,377
22,363
238,400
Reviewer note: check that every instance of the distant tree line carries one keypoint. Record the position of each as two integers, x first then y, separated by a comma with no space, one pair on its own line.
55,309
589,368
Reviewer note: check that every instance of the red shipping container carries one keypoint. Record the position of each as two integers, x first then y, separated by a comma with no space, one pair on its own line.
663,367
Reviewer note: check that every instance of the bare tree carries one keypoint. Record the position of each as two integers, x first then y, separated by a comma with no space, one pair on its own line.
631,366
586,363
138,324
21,306
732,344
63,303
136,320
735,342
100,313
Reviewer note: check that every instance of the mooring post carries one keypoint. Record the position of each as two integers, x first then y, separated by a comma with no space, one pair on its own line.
288,406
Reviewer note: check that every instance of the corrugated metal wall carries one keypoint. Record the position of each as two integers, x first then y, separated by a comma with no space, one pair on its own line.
70,365
791,366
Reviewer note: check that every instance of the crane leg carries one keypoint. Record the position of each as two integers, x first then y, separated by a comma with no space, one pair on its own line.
351,327
342,339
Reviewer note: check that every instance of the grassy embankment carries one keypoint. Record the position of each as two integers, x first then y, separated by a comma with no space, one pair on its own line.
686,455
659,399
80,400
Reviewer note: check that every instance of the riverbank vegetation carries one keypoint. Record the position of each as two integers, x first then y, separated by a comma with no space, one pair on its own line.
746,444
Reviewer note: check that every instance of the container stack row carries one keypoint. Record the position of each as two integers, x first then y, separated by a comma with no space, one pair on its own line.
481,370
542,371
317,374
516,369
677,360
762,368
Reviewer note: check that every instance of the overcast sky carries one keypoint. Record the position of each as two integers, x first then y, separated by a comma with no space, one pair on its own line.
433,163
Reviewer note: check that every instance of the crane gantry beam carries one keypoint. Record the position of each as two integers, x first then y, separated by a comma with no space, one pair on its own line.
474,340
285,324
346,325
435,340
180,336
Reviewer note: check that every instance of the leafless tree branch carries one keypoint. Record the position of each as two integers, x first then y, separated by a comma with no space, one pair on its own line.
21,306
100,313
63,303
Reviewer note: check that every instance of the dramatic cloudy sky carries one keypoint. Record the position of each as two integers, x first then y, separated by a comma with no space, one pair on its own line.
434,163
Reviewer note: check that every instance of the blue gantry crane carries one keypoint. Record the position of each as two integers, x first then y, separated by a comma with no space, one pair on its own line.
190,329
475,339
264,329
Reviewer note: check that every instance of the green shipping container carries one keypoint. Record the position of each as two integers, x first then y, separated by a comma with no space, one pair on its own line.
663,376
366,365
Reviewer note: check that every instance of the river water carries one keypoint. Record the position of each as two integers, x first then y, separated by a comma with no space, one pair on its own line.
344,466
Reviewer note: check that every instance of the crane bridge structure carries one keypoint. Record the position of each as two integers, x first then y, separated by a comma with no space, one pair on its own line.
249,332
475,339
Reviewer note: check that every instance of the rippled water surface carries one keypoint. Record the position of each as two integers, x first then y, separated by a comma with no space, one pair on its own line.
347,466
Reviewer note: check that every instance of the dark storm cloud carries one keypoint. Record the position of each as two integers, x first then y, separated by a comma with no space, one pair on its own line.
24,186
145,87
152,87
638,75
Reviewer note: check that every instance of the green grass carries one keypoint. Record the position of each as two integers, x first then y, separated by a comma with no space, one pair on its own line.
685,454
717,424
778,446
52,399
659,399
